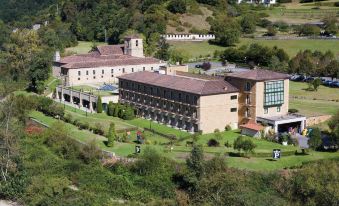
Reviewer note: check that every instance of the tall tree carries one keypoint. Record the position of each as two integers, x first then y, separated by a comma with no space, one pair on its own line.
111,135
99,105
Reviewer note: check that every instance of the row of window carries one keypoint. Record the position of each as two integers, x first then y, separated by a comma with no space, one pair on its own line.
266,110
160,92
112,71
274,93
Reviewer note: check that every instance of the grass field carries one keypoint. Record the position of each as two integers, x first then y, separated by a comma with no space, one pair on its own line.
83,47
299,13
314,107
292,47
313,103
299,89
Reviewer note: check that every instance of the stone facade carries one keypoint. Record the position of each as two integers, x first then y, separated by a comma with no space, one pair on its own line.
251,100
105,63
179,108
81,76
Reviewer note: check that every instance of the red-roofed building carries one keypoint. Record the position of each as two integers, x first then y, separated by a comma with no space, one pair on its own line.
105,63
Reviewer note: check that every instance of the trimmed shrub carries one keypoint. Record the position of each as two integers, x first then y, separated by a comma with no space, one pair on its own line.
293,111
228,128
213,143
99,105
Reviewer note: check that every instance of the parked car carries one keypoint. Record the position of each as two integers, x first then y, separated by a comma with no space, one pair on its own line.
308,79
334,84
327,82
198,66
299,78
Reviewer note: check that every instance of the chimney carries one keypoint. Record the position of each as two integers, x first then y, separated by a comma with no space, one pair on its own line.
57,57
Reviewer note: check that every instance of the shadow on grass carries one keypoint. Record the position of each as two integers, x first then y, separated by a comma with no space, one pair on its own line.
271,160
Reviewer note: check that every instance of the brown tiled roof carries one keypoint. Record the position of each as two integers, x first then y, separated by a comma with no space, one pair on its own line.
111,63
198,76
252,126
111,49
180,83
258,75
111,55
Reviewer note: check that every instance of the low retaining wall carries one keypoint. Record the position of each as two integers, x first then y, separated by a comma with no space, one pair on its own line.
310,121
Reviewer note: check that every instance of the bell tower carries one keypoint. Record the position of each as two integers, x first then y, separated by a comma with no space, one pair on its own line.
134,46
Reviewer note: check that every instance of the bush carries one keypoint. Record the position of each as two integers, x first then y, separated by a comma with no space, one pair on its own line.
68,118
264,23
98,129
315,141
293,111
213,143
177,6
110,109
271,31
244,143
228,128
99,105
227,144
206,66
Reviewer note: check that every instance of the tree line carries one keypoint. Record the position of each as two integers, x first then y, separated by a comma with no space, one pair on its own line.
305,62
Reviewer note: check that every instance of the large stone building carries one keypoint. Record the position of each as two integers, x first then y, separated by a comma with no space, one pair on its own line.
105,63
187,103
203,103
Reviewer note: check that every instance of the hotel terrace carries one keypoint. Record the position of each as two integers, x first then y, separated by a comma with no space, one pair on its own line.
187,103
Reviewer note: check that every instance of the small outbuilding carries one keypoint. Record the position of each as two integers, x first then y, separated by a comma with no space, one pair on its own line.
251,129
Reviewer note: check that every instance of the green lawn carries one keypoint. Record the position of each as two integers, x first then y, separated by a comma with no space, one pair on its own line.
83,47
196,49
314,107
51,83
299,89
313,103
180,151
292,47
266,164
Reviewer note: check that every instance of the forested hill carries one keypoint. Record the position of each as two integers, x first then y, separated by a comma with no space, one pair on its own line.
90,19
16,10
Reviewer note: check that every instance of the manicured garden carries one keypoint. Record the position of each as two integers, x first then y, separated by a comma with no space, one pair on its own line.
180,150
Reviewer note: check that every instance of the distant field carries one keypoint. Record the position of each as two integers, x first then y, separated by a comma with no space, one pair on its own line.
324,93
83,47
196,49
297,13
293,46
313,103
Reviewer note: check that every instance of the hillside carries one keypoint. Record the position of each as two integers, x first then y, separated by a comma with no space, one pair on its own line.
188,22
